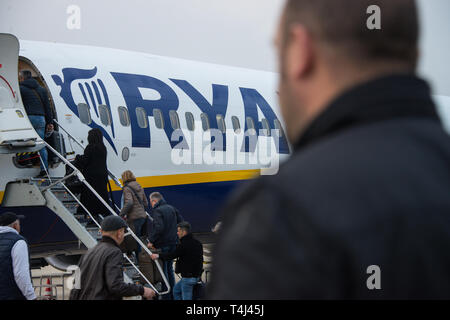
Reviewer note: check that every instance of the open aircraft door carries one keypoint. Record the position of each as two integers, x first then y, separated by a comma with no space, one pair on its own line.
16,132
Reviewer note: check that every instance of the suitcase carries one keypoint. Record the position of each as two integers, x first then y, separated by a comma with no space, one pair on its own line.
148,267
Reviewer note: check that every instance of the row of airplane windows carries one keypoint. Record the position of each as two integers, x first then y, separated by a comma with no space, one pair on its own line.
142,119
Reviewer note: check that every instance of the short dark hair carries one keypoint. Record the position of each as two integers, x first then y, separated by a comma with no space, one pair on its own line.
342,24
26,74
184,225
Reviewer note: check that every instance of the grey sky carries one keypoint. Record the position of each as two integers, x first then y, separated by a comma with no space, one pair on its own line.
229,32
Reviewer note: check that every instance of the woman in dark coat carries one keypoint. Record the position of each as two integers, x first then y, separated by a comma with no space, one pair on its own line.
93,166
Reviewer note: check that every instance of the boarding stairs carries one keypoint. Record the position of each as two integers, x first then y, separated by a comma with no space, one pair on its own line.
54,193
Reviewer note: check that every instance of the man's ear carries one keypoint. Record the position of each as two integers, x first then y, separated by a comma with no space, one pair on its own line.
300,52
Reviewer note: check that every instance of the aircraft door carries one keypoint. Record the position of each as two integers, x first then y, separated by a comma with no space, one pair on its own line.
16,132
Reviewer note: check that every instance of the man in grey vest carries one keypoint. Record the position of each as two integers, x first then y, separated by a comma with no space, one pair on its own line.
15,278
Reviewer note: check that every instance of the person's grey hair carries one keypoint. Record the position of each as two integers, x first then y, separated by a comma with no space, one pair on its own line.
156,196
184,225
26,74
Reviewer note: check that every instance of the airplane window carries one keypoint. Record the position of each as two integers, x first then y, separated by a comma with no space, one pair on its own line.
125,154
190,121
278,126
221,123
250,126
205,121
236,124
266,127
159,120
174,120
142,119
84,113
105,116
124,116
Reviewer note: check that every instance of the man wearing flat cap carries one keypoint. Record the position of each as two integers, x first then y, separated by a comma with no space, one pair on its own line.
15,278
101,268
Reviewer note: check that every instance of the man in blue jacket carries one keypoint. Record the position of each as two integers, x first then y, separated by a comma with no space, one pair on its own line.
164,233
35,102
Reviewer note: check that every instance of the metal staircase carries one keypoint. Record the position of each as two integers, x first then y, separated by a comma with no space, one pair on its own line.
65,204
54,194
60,199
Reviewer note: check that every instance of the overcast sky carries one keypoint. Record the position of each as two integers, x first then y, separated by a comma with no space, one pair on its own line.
230,32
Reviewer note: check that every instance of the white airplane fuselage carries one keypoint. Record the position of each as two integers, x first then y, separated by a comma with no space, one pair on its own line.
155,95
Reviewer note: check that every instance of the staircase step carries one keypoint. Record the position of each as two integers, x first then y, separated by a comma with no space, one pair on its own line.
132,273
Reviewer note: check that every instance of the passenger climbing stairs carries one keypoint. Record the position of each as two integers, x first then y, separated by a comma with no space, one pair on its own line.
54,193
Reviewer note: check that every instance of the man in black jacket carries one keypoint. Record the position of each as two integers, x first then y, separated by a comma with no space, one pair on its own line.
189,264
164,233
101,268
362,208
35,102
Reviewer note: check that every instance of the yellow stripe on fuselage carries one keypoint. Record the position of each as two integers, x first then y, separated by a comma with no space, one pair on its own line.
193,178
188,178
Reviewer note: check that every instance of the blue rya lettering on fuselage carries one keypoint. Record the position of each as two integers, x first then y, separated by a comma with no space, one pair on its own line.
219,106
130,85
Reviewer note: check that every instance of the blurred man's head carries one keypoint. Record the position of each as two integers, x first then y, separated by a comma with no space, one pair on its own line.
326,47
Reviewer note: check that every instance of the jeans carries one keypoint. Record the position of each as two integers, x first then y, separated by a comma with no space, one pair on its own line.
184,288
38,123
168,271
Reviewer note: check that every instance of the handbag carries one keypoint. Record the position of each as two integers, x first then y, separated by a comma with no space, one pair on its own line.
137,197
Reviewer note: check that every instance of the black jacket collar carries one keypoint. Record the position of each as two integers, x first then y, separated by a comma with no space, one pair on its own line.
160,203
107,239
186,237
384,98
